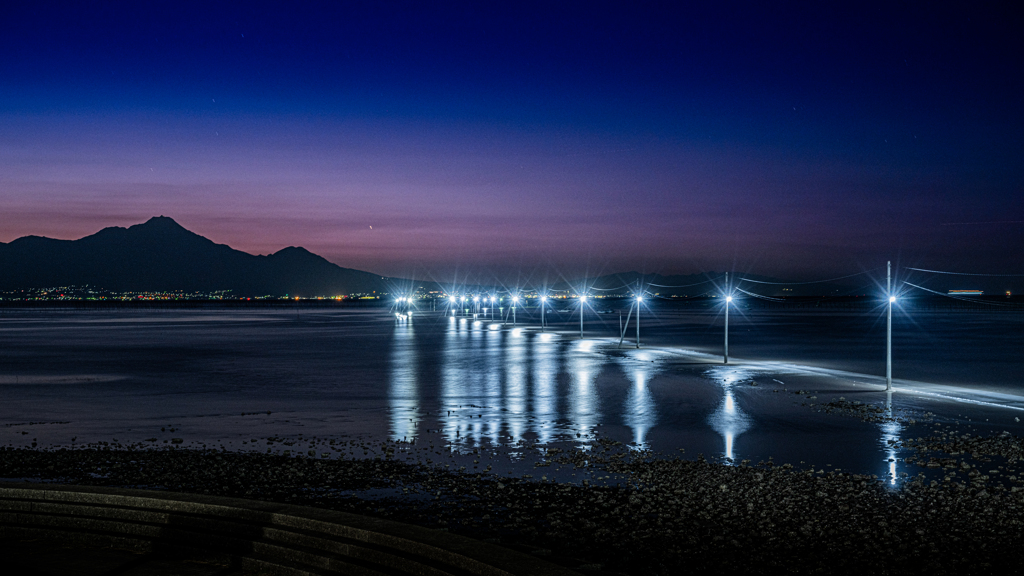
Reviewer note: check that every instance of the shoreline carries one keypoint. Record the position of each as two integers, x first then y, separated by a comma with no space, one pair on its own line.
665,515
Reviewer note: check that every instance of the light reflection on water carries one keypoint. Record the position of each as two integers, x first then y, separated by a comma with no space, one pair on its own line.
639,411
500,387
483,387
890,432
584,403
404,394
545,393
516,396
729,420
350,374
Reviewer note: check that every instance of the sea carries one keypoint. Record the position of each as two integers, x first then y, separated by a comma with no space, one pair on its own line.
470,379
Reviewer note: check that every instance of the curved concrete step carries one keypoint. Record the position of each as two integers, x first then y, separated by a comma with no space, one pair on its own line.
256,536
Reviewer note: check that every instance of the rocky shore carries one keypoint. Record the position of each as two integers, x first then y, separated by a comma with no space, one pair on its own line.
642,514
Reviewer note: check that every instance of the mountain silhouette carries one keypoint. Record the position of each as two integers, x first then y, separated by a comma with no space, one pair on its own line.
161,255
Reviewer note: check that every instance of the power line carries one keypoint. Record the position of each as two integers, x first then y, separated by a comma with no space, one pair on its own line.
955,297
684,285
769,298
611,289
801,283
659,297
967,273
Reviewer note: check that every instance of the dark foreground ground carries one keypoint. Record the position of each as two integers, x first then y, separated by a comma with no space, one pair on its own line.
667,516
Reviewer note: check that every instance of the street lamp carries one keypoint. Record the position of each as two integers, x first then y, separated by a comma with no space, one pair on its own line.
639,301
888,327
543,306
583,302
728,301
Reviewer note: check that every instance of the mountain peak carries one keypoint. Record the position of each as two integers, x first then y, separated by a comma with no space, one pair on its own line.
162,255
160,223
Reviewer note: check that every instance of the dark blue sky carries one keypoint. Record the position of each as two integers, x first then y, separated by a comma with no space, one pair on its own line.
515,137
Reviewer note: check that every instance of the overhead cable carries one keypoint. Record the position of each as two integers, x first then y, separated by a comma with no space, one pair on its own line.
966,273
629,287
801,283
770,298
684,285
972,300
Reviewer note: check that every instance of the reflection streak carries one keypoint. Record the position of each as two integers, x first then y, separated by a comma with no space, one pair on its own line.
729,420
584,366
403,393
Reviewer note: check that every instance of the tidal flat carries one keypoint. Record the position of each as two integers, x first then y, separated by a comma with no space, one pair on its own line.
637,513
652,460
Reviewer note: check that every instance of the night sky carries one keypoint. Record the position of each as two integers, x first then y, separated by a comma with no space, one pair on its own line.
512,137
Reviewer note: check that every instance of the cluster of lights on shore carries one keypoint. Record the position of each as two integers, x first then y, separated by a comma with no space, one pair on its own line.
406,303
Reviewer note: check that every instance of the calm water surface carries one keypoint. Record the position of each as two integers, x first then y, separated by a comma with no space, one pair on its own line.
213,376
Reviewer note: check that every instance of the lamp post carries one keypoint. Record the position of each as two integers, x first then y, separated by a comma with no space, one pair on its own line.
728,301
639,301
888,327
583,302
543,305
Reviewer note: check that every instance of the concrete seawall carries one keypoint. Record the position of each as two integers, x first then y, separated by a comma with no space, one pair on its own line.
257,537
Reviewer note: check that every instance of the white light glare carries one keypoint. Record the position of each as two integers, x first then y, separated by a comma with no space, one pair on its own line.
515,299
492,299
639,298
476,298
463,298
892,299
543,298
728,298
583,299
452,298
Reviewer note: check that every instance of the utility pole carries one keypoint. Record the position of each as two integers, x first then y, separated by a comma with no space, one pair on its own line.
583,302
622,329
888,328
543,305
728,299
639,299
